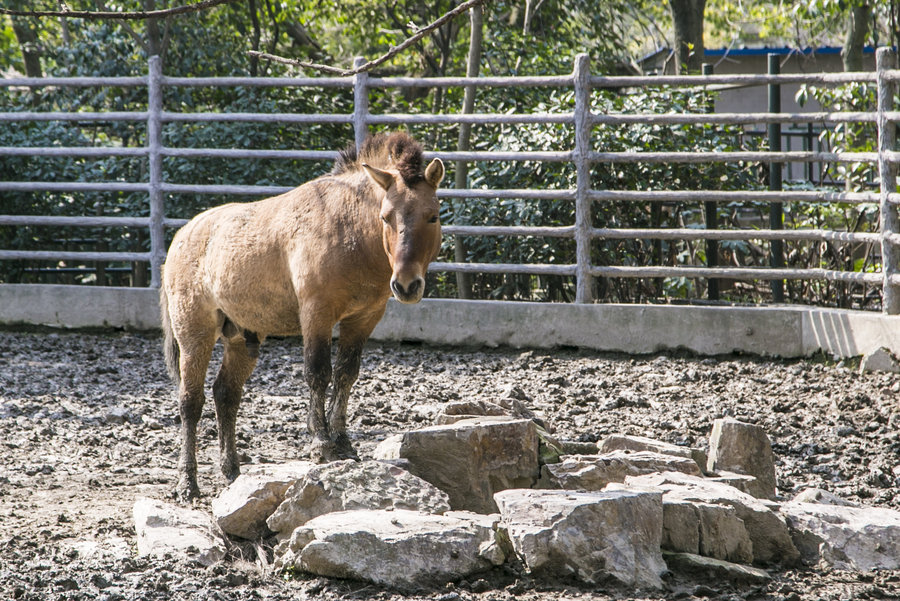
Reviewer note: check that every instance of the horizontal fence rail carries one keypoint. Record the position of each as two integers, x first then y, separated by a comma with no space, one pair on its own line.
581,155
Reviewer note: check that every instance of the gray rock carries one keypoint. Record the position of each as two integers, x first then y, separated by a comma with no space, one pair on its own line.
716,570
817,495
767,530
591,536
594,472
164,528
880,359
346,485
460,410
742,482
575,447
242,508
743,448
706,529
118,415
398,548
846,538
624,442
471,459
388,449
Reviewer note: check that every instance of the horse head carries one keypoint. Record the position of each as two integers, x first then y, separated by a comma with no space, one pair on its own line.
411,226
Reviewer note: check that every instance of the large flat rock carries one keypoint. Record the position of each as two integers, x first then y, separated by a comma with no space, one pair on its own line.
706,529
164,528
471,459
346,485
735,446
768,531
591,536
398,548
594,472
844,537
627,442
242,508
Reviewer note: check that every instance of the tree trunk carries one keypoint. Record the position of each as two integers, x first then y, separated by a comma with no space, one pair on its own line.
255,38
857,32
464,280
687,18
28,42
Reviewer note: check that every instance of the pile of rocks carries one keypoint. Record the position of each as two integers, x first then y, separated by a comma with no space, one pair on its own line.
489,484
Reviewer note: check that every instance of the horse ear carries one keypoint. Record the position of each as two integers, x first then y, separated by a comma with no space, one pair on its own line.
434,173
382,178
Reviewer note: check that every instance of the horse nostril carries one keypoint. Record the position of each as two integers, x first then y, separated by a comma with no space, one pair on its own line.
408,292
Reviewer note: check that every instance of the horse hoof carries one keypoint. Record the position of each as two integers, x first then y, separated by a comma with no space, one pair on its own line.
186,492
231,473
344,448
321,450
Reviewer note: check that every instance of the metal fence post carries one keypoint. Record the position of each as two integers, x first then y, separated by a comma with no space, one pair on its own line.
360,103
886,59
154,149
711,218
584,289
776,209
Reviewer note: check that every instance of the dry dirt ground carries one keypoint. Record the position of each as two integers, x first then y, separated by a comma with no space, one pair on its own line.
88,424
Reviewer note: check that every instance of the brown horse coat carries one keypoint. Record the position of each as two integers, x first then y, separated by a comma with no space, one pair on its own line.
329,252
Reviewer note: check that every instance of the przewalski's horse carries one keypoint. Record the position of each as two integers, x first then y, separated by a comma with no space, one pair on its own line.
329,252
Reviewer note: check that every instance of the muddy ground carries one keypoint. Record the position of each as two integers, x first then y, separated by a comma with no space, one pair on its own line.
88,424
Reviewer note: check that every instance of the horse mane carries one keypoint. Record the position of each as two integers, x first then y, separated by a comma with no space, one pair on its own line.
397,150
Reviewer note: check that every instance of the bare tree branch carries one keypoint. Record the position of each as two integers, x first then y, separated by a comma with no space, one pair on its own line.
138,38
130,16
394,51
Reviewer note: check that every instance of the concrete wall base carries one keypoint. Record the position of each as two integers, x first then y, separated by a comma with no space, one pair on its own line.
778,331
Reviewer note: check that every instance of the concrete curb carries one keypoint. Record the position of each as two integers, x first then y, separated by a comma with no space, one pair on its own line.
778,331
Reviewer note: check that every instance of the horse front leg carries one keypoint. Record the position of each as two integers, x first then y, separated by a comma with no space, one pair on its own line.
346,371
317,359
353,336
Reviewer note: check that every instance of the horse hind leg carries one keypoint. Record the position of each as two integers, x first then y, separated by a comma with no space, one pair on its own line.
238,362
194,357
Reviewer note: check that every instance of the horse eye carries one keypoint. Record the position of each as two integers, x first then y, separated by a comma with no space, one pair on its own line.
433,219
384,219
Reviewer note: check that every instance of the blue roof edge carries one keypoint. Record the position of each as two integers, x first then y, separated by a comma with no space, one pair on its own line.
782,50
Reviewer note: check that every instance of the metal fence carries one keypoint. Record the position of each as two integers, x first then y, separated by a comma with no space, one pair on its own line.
582,156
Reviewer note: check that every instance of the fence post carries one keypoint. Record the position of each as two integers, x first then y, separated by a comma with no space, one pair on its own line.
711,217
360,103
584,289
776,209
886,59
461,179
154,150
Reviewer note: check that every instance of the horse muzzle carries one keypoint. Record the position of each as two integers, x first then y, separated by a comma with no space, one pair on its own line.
409,293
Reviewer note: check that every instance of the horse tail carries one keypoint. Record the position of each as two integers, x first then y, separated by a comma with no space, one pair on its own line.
170,345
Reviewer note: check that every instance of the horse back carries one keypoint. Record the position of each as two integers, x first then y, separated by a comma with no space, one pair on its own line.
258,262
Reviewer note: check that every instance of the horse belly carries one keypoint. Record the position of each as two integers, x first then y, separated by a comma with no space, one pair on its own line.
254,291
263,314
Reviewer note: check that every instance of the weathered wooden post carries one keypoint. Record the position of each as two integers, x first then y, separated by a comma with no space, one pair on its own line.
885,60
584,289
154,150
360,103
